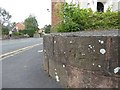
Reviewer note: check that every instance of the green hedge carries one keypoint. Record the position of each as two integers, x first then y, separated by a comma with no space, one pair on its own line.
17,33
29,32
76,19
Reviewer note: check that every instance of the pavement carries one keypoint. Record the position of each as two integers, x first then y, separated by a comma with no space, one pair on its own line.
24,69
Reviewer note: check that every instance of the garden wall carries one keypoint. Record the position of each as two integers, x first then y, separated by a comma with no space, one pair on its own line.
83,59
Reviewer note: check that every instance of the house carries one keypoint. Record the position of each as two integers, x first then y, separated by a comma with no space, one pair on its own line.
98,5
18,27
41,30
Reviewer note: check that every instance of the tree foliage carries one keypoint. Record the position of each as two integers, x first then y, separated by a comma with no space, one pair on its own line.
5,30
4,16
31,25
47,28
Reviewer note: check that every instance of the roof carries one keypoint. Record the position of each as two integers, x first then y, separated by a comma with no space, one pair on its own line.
20,26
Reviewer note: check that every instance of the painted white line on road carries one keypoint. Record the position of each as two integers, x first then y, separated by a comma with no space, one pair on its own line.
9,54
40,51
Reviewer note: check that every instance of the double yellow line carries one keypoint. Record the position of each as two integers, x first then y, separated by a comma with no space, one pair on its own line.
9,54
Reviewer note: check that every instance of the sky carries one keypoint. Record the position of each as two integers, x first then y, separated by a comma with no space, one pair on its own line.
21,9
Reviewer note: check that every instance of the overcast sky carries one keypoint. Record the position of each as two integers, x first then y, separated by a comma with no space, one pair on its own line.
21,9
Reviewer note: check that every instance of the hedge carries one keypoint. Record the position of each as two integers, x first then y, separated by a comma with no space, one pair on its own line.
29,32
76,19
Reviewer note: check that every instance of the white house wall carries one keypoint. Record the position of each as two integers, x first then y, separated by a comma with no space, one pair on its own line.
116,4
93,4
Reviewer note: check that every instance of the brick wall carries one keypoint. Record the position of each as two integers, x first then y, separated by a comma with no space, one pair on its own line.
55,18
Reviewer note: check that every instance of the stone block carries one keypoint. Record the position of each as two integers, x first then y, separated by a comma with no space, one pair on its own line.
84,59
79,78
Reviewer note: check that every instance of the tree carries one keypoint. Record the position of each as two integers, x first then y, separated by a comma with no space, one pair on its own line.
31,25
4,19
4,16
47,28
13,24
5,30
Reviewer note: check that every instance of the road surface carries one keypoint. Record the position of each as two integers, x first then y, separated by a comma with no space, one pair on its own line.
24,68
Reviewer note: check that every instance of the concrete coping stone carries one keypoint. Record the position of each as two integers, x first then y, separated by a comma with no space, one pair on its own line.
89,33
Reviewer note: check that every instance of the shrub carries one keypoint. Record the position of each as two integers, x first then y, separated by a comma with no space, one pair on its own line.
16,33
76,19
47,28
29,32
5,30
69,26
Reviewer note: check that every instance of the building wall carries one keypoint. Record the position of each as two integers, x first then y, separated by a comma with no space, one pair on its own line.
55,12
116,4
93,4
20,26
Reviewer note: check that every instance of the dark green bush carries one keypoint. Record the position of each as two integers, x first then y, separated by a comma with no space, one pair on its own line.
5,30
29,32
76,19
47,28
16,33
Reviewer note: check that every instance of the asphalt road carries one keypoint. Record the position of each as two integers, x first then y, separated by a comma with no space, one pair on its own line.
25,69
11,45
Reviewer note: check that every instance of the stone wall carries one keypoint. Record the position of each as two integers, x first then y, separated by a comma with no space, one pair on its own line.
83,59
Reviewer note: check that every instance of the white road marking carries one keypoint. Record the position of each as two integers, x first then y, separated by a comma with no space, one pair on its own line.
40,51
9,54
